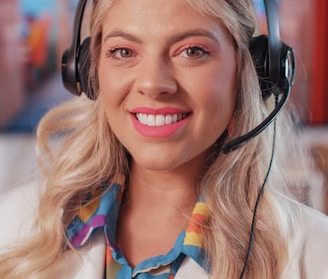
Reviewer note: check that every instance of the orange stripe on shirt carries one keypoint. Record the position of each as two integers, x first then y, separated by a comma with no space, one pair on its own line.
109,256
87,211
196,223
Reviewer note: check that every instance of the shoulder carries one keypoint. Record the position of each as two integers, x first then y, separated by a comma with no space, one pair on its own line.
18,209
308,246
313,228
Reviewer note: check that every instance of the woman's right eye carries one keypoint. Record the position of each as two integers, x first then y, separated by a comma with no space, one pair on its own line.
119,53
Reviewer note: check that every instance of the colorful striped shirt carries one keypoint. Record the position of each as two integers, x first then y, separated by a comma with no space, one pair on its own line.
102,213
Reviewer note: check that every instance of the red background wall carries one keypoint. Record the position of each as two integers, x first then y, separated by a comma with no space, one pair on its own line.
319,97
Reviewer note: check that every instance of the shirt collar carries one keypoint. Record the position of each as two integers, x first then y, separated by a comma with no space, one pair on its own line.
193,240
103,213
93,213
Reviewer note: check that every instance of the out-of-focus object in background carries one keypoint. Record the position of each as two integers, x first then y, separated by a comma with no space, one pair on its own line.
297,29
13,58
35,37
320,152
37,41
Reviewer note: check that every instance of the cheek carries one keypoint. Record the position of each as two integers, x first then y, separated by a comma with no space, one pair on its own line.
217,91
109,100
113,92
107,83
113,89
219,100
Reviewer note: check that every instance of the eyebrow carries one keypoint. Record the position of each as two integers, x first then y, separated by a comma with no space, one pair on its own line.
174,39
122,34
193,33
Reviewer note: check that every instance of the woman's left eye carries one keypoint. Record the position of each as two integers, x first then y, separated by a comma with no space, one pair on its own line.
194,52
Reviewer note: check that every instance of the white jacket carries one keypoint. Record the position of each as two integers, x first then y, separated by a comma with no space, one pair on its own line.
308,250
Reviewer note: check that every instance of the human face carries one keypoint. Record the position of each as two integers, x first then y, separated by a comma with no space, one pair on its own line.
164,64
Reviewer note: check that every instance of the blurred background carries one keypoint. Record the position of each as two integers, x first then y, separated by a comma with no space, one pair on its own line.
33,35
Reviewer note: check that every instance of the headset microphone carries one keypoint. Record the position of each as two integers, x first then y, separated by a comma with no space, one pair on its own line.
275,65
240,141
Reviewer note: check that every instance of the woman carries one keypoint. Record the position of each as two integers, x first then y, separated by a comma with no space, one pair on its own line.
137,185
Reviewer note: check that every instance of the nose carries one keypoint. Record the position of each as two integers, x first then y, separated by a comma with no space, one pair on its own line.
155,78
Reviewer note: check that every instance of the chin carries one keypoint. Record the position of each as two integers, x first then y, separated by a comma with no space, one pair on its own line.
155,164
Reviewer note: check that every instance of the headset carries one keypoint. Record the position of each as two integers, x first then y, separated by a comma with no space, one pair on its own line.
273,59
275,65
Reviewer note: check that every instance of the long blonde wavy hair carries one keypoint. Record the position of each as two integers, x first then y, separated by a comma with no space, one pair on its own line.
86,153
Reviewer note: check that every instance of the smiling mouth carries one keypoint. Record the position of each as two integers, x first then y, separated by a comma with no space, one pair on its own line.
159,120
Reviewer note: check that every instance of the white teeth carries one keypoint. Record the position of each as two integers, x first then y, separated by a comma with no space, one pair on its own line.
151,120
143,119
168,119
159,119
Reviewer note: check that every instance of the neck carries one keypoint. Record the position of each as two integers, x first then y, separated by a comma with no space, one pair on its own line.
157,206
177,188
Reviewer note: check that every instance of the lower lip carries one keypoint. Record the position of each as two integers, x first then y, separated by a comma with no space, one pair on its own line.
157,131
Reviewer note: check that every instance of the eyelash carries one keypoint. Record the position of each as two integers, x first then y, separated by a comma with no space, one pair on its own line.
196,48
112,53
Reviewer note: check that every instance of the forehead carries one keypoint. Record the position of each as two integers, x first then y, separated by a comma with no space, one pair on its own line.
149,15
148,7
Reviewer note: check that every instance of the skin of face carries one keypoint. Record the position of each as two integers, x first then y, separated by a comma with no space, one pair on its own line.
160,59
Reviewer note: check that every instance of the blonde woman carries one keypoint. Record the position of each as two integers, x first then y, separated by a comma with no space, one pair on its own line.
136,184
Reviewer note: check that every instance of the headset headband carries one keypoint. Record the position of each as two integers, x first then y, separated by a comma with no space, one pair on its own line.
275,43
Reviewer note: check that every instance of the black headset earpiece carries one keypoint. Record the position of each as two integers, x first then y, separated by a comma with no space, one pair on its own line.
273,59
259,50
76,59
